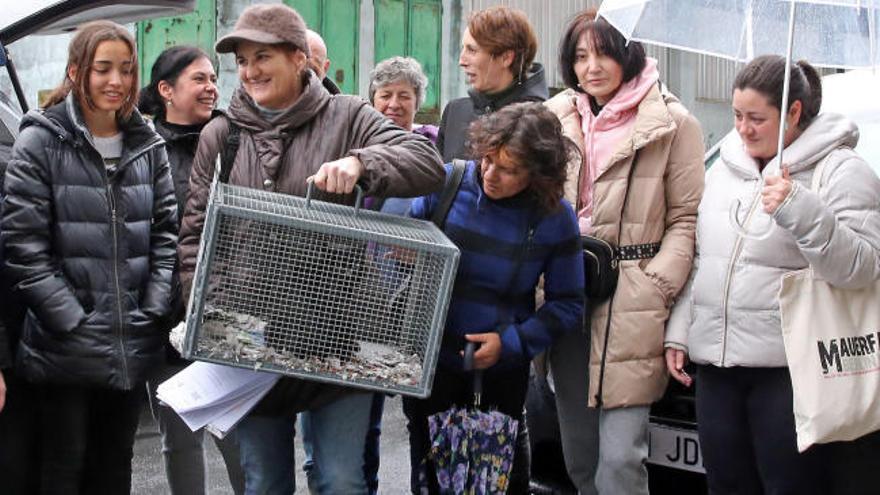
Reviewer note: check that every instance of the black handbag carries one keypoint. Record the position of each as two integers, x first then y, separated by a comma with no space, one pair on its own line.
602,259
600,268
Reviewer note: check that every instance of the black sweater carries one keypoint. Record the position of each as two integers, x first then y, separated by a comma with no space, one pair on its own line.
459,113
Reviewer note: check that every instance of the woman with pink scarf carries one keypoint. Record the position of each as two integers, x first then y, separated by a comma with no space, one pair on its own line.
637,187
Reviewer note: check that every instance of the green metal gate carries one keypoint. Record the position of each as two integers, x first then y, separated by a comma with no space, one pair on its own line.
338,22
412,28
402,27
196,28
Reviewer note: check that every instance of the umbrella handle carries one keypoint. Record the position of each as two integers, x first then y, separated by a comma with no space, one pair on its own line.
469,349
739,224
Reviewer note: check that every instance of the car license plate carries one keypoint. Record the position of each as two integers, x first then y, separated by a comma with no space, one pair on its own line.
675,447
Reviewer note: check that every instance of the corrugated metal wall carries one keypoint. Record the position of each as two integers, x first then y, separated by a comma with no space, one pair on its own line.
549,20
715,78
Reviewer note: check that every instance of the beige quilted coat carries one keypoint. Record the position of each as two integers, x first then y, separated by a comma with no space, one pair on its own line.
666,188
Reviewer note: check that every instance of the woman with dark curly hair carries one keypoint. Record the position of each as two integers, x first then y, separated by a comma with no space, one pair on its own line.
513,227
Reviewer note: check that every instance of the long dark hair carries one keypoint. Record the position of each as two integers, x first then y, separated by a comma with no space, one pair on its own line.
766,75
167,67
532,135
81,54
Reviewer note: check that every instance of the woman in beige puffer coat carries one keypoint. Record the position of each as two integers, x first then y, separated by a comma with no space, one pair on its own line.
638,184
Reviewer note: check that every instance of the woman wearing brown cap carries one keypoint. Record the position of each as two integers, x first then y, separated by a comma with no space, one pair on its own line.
291,129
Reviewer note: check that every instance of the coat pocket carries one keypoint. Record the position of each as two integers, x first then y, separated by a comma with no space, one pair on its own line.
647,291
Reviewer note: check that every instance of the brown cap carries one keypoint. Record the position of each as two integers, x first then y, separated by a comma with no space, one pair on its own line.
266,23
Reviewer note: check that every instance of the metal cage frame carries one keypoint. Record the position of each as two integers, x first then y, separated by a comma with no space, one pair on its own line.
346,222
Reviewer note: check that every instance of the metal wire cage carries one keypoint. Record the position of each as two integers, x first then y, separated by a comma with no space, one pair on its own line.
320,291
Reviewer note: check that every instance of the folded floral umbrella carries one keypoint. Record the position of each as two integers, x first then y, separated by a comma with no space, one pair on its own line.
472,450
826,33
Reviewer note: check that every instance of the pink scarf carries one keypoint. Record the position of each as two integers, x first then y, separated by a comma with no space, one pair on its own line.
603,133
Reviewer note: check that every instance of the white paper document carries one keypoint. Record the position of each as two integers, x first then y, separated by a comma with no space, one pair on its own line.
214,396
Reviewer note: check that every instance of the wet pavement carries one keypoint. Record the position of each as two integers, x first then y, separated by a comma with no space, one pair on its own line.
148,467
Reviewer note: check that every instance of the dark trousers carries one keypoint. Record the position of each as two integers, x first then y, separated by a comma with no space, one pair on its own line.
747,435
87,438
502,391
371,448
851,467
183,449
19,452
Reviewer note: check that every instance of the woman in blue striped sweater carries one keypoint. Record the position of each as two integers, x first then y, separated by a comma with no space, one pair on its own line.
512,226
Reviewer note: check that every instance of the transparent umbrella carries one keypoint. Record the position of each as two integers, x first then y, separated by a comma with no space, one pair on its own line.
827,33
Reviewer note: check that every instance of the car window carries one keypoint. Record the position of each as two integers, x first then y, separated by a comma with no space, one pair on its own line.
10,111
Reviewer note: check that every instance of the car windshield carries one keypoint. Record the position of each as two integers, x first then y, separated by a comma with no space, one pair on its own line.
869,143
17,10
845,93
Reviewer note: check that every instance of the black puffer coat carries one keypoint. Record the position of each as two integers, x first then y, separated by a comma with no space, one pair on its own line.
181,148
91,253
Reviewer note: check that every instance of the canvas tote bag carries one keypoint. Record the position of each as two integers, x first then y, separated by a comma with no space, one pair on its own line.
832,345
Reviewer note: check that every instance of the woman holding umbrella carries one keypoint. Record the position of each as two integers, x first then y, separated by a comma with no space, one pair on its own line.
728,319
512,226
636,184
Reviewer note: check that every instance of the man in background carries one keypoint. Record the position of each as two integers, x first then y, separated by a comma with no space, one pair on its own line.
318,61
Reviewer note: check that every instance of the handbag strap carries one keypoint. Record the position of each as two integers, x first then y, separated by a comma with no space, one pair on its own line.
604,360
817,173
629,178
450,191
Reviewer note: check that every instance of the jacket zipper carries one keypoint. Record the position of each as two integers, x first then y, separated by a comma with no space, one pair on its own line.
605,351
737,250
120,329
615,262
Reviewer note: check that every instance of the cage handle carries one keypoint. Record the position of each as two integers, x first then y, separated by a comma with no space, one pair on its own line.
358,202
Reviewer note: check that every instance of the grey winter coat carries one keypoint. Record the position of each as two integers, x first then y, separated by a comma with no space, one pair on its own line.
89,251
728,314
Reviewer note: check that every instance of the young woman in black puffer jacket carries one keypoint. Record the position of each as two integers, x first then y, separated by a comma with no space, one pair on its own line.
89,225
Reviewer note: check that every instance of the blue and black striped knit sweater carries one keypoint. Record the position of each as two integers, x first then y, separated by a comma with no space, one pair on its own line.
492,237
